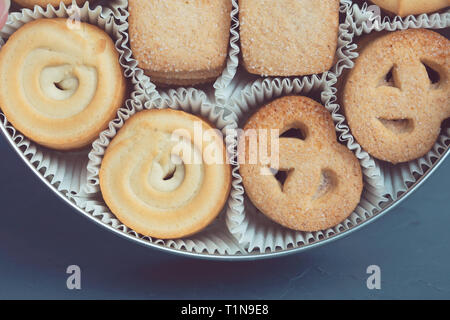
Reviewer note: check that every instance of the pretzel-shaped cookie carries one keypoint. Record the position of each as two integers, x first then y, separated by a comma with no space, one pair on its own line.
323,182
398,118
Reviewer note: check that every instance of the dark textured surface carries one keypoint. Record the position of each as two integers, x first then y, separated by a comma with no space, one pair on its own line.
40,236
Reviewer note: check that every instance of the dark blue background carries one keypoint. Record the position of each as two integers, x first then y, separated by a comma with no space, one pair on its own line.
40,236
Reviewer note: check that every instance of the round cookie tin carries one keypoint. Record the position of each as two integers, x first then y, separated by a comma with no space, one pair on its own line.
237,235
249,256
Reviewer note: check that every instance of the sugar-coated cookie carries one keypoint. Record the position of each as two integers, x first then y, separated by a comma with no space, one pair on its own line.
60,93
288,37
398,93
407,7
322,178
162,181
180,42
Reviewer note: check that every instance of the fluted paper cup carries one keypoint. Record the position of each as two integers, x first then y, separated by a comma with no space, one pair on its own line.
214,239
254,231
218,92
398,178
66,171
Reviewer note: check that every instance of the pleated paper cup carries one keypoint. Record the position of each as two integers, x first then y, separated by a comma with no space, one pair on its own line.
66,171
345,38
117,8
399,178
254,231
241,77
218,92
214,239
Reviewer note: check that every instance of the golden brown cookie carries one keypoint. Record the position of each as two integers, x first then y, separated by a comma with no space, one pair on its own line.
163,182
398,93
322,178
288,37
44,3
61,94
407,7
180,42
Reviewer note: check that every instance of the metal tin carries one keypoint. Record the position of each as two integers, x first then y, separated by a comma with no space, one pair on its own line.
255,256
251,256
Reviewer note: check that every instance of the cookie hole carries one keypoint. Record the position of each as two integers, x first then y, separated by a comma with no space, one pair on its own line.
398,126
294,133
281,176
388,80
169,175
58,85
328,182
433,75
68,84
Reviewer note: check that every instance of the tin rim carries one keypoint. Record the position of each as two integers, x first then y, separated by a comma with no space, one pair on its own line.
236,257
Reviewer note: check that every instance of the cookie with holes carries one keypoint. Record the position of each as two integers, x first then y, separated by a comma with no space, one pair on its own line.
60,94
398,93
294,170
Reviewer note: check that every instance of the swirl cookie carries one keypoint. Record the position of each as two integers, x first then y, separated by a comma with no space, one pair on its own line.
180,42
61,94
407,7
288,37
44,3
164,175
398,93
317,182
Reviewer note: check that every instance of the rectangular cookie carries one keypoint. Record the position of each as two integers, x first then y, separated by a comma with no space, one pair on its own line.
180,42
288,37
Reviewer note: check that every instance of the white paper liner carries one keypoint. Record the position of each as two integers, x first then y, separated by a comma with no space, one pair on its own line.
345,38
252,229
364,21
66,174
215,239
241,76
218,92
115,7
223,82
66,171
399,178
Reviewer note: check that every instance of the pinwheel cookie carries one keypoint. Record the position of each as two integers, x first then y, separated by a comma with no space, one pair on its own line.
398,93
311,182
60,93
165,174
